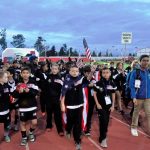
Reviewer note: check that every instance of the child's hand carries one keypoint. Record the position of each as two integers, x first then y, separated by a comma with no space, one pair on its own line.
62,107
91,85
26,90
135,101
21,90
14,100
99,106
111,109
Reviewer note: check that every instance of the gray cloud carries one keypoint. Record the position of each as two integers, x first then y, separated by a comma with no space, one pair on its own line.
64,21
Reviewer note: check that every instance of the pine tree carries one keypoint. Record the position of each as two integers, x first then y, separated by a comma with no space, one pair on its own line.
18,41
3,42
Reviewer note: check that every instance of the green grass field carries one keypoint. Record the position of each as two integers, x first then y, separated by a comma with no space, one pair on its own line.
107,62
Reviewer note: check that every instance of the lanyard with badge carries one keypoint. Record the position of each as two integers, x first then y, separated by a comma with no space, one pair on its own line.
137,83
107,97
137,80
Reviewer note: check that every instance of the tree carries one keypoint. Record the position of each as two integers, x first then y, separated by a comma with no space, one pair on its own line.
52,51
65,47
75,53
134,54
83,55
62,52
3,42
18,41
110,54
70,51
107,54
42,53
130,54
94,54
39,44
100,54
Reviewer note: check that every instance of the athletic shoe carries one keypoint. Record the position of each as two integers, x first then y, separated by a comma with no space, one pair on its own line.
134,132
68,135
61,133
16,128
7,139
104,143
31,137
78,146
48,129
23,142
87,133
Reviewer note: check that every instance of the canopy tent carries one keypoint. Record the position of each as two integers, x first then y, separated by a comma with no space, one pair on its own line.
14,53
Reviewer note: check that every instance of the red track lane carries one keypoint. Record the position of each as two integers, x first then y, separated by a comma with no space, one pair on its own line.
119,138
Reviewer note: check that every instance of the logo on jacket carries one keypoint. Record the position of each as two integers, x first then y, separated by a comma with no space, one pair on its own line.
101,89
49,80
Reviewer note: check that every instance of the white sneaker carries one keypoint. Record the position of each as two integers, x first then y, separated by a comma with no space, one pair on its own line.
134,132
104,143
78,146
68,135
16,128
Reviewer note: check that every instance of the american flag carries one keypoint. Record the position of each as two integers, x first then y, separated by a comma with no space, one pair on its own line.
84,113
79,62
87,50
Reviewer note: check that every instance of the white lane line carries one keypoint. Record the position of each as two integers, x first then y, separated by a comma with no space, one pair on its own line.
128,125
94,143
27,147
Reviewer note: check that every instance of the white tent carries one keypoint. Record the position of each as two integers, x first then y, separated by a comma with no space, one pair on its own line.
143,51
14,53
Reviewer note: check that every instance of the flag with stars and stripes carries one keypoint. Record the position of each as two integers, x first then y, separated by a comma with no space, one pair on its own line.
87,50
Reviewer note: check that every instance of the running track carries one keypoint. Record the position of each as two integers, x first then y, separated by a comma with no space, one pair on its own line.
119,138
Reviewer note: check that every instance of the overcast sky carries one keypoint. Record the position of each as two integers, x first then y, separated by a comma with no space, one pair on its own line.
101,22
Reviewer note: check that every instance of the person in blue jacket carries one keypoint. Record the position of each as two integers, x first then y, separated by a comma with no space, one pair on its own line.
140,92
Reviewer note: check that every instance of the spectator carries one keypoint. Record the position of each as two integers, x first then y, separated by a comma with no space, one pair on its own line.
140,93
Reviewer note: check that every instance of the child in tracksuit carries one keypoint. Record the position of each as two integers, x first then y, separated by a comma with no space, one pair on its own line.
14,103
89,82
4,105
104,95
26,92
72,98
53,102
41,79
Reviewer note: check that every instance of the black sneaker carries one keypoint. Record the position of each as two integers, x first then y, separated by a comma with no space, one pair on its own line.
31,137
122,112
23,142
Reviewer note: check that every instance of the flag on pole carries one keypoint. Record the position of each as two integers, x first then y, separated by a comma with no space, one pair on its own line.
87,50
79,62
85,108
97,75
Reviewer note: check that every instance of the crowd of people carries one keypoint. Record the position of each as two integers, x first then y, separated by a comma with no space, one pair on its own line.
59,89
